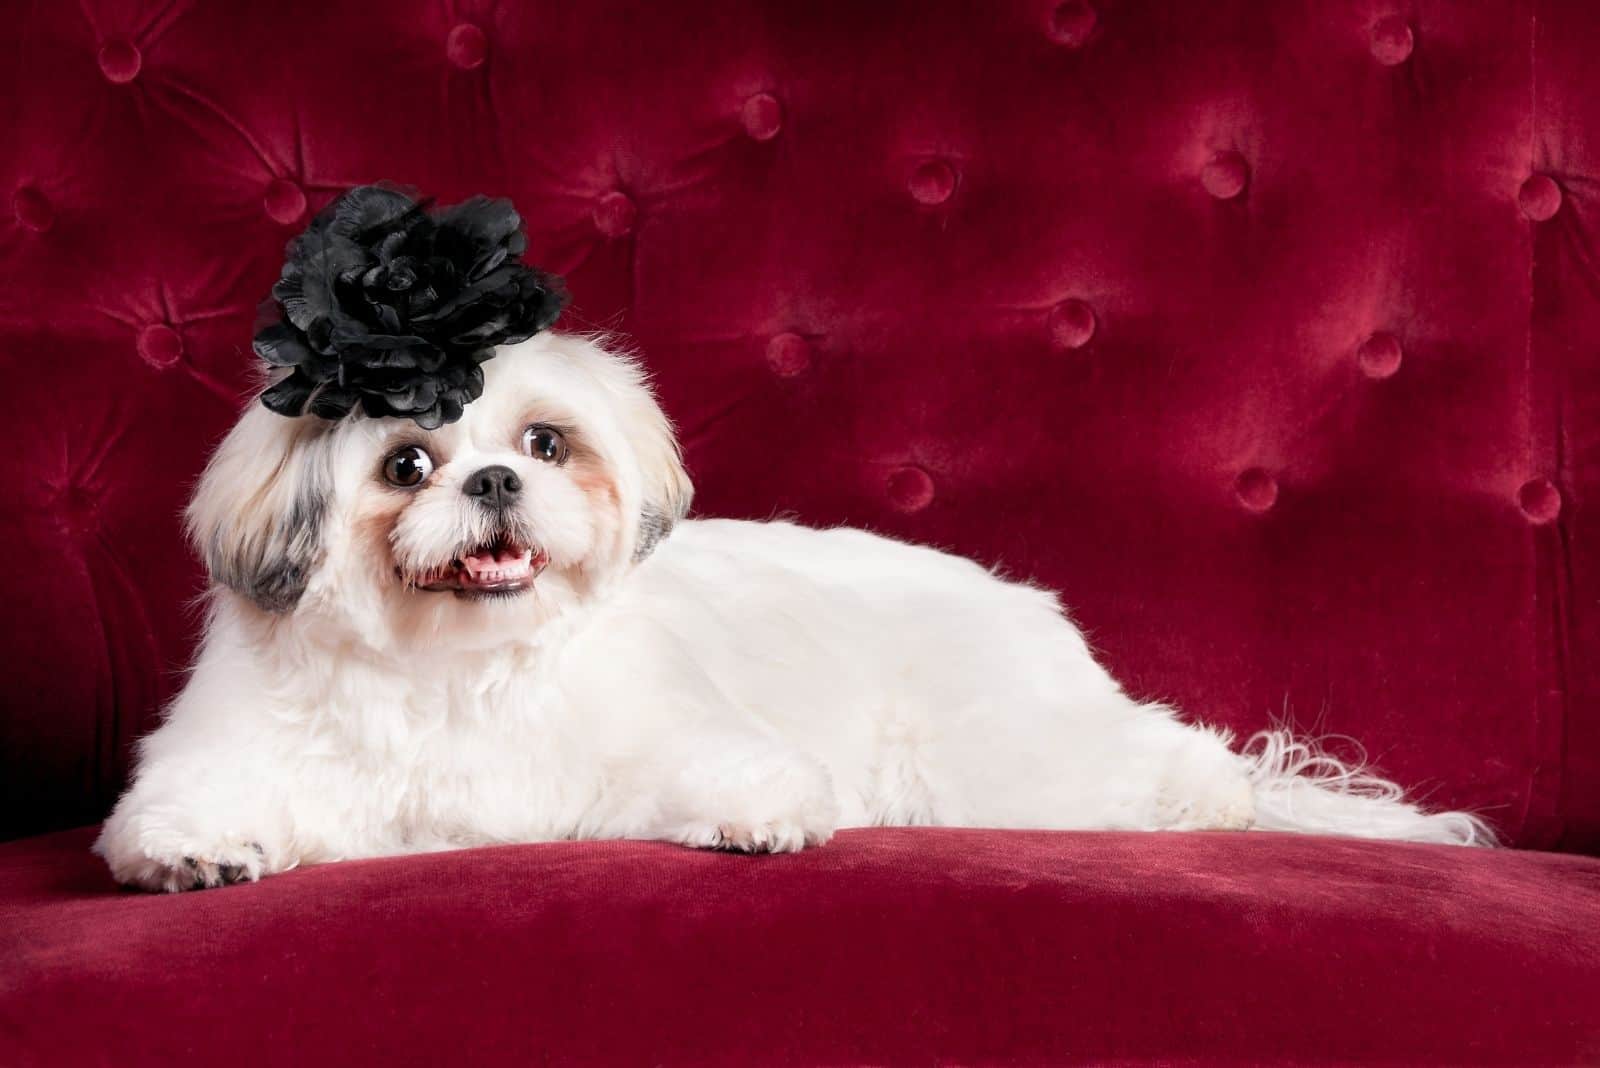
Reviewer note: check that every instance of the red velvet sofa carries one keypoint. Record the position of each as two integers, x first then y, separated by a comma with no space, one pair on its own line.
1267,332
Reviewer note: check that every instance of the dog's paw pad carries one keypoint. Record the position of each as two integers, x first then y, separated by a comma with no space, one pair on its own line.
223,866
767,837
200,869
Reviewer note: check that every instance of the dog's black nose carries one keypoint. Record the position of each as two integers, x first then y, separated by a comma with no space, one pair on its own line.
495,486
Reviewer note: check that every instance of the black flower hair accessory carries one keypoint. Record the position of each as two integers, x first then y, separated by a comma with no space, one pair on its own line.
392,305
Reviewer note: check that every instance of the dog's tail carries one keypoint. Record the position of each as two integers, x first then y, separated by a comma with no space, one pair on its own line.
1299,787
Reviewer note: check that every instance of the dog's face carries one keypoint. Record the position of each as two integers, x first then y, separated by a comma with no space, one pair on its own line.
562,475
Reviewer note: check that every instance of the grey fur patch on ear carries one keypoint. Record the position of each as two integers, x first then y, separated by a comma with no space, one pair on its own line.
274,574
653,526
257,514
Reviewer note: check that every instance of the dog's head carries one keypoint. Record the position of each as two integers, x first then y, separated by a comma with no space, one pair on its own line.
551,485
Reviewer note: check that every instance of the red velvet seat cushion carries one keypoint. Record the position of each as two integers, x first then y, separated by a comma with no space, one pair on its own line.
888,946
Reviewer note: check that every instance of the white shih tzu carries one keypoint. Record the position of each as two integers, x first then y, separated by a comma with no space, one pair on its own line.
505,630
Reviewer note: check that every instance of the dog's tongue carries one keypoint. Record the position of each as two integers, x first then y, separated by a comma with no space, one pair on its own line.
498,564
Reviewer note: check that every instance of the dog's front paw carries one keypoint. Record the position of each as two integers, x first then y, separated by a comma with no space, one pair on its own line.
155,856
769,837
781,806
191,866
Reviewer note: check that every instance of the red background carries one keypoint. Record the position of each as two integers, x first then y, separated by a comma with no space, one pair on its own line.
1266,331
1228,320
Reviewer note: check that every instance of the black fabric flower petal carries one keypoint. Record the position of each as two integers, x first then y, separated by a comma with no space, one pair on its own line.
288,395
390,306
281,345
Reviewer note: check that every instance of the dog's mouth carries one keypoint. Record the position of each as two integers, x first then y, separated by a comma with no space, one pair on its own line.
499,568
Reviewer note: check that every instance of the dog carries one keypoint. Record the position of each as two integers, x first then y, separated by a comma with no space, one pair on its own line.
506,630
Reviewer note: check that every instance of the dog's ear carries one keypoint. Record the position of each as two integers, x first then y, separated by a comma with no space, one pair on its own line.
256,516
667,489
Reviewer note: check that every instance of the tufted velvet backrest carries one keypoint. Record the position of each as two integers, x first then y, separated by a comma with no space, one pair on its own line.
1264,331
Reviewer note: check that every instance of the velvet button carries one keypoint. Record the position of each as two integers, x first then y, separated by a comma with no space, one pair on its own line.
910,489
466,46
1225,176
1539,500
160,346
932,182
1257,490
1379,356
762,116
788,355
1539,197
284,202
614,214
1071,324
1071,23
1392,40
77,510
33,209
120,61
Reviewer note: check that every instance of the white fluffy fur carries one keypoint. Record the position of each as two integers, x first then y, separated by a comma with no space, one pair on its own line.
745,685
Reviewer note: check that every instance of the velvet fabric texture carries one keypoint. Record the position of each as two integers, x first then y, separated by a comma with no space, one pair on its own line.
1261,331
887,947
1265,332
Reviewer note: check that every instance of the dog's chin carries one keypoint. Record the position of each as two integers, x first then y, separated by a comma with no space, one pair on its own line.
496,570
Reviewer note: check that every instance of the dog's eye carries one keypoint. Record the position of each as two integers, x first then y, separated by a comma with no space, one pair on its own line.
545,443
409,466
